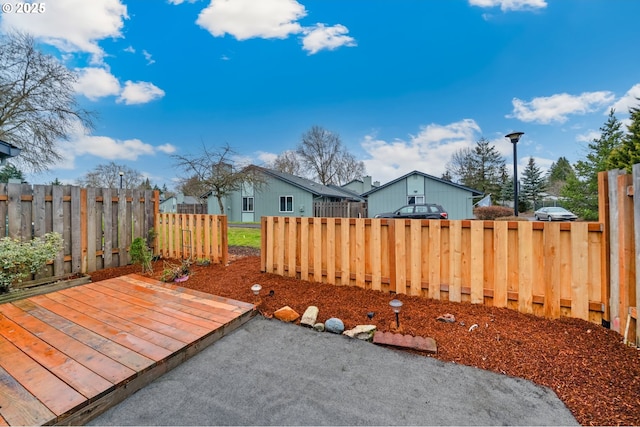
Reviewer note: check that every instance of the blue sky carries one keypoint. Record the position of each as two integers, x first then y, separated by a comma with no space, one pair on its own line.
405,83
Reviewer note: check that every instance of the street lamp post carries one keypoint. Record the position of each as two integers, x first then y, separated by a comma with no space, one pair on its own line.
121,175
514,137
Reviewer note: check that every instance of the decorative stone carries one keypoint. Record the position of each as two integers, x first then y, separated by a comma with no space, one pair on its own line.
334,325
319,327
447,318
361,332
427,345
286,314
309,317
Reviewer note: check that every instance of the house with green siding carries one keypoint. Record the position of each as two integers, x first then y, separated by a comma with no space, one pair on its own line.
280,194
418,187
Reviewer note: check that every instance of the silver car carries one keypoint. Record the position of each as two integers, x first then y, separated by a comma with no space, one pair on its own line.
554,214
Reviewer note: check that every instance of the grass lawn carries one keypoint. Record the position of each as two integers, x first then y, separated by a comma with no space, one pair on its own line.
244,237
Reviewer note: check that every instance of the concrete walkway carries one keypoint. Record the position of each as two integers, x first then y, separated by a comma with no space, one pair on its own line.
272,373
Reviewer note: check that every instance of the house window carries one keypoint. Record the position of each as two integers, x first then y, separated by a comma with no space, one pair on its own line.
286,203
415,200
247,204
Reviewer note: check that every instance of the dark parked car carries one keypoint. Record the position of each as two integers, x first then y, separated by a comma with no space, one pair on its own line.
554,214
425,211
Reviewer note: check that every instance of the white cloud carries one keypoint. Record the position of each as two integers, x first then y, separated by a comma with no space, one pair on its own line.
81,142
96,83
265,157
148,57
166,148
630,99
139,93
129,49
181,1
557,108
72,25
506,5
320,37
429,151
245,19
589,136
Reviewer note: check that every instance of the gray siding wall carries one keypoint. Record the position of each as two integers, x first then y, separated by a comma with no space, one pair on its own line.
456,201
267,199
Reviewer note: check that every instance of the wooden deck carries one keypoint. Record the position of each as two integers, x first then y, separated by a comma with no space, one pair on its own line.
67,356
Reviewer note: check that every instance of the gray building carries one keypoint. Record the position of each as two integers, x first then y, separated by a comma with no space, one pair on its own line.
281,194
417,187
187,204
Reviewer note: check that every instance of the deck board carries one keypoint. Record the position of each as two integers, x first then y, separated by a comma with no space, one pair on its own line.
67,356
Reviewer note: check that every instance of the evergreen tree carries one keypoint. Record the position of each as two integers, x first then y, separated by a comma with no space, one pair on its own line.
628,153
558,175
56,182
479,168
581,190
533,184
9,171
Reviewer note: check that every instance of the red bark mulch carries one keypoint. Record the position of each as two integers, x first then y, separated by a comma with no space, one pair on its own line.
587,366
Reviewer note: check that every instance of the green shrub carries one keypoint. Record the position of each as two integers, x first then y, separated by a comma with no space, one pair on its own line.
141,254
492,212
21,259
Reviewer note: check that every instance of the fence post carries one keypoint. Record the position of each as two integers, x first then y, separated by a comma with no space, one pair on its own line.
603,218
614,251
636,220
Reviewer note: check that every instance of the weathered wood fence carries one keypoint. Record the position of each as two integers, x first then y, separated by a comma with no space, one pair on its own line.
549,269
97,224
620,211
192,236
340,209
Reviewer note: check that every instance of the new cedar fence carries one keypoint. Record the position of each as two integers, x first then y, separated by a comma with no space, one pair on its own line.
195,236
97,224
549,269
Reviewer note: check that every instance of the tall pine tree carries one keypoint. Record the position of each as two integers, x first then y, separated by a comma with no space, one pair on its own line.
581,191
628,153
533,184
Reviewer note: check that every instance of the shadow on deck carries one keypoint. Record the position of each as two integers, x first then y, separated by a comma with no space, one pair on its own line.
68,356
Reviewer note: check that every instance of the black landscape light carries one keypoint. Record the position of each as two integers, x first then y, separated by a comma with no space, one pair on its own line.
395,305
514,137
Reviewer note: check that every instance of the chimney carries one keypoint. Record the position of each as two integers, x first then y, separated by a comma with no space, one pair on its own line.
366,183
376,183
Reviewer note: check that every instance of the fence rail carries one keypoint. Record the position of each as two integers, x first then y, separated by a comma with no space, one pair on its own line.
549,269
97,224
193,236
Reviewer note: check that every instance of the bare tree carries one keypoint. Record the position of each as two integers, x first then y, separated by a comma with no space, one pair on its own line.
217,172
108,176
288,162
323,153
37,101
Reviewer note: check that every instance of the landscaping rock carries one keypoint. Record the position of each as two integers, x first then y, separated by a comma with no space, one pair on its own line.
334,325
286,314
361,332
309,317
319,327
447,318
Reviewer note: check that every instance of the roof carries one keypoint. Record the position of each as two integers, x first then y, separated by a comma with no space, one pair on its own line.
319,190
415,172
8,150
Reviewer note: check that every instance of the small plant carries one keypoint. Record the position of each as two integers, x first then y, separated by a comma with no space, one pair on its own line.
203,262
174,272
141,254
20,259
